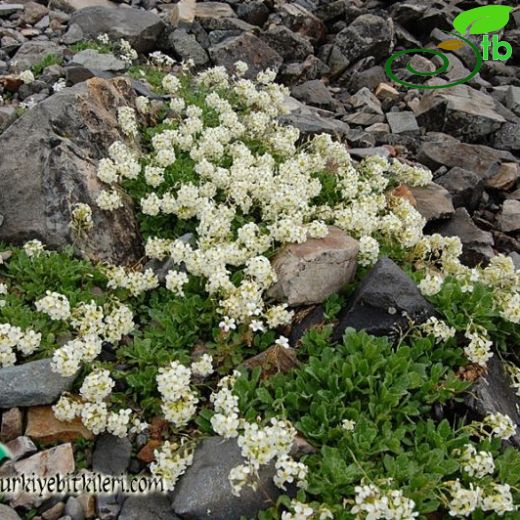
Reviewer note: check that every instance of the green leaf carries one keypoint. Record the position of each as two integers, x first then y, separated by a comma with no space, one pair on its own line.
482,20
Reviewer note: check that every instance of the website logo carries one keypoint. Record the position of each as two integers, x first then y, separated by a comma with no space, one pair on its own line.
481,21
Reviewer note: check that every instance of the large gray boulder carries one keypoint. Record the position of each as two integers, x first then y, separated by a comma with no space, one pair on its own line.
31,384
147,507
141,28
204,492
49,162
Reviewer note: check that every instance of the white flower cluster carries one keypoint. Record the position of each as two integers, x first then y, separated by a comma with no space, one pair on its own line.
93,409
301,511
55,305
499,425
514,373
33,248
179,401
373,503
126,52
127,121
135,282
279,185
170,463
476,463
24,341
478,349
259,445
439,329
26,76
81,218
463,502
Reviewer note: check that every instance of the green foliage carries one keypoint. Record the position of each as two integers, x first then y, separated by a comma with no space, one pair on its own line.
389,393
96,45
151,74
47,61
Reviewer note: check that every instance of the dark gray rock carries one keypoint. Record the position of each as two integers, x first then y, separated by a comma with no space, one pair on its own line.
108,507
492,393
477,245
204,492
460,111
384,303
366,109
290,45
255,12
9,9
464,186
402,122
7,117
509,217
33,52
299,19
141,28
507,137
59,143
111,455
367,35
187,47
314,93
248,48
148,507
360,77
31,384
513,99
445,151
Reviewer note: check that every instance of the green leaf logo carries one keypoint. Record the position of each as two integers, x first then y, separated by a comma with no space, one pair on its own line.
482,20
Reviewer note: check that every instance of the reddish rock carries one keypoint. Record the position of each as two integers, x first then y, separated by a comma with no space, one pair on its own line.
146,453
11,425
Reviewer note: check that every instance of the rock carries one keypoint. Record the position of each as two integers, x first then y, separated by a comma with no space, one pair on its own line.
513,99
91,59
147,507
44,428
141,28
302,21
204,491
367,108
451,153
506,178
33,52
74,509
7,117
384,303
254,12
464,186
310,272
71,6
477,245
433,202
290,45
248,48
9,9
367,35
314,93
147,452
21,447
187,47
88,503
311,123
6,513
34,12
60,142
11,425
460,111
402,123
55,512
183,13
509,218
385,92
492,393
31,384
73,35
111,455
44,464
507,137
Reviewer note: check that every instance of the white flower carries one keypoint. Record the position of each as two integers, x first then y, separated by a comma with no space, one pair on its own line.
109,200
227,324
501,425
282,341
55,305
498,499
97,386
463,501
203,367
175,280
127,121
368,251
33,248
94,416
348,425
